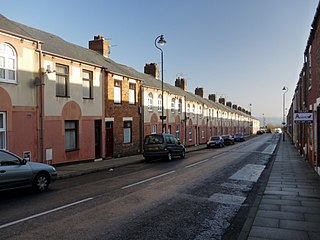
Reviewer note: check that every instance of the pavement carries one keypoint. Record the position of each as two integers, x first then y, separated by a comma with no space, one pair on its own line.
287,205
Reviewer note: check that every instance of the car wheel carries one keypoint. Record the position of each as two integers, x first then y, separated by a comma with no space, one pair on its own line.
41,182
183,154
169,156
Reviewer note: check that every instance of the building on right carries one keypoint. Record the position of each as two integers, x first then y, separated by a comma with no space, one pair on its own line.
303,119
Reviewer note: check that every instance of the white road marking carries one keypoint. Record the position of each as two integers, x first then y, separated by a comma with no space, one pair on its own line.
44,213
194,164
227,199
147,180
250,172
270,149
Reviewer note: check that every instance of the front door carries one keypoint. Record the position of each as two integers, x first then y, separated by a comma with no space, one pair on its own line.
97,138
109,139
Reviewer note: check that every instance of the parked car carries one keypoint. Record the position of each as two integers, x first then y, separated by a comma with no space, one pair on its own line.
228,139
16,172
215,141
162,145
239,137
260,132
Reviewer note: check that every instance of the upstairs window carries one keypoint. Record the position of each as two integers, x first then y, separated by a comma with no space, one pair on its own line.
159,103
132,93
117,91
87,84
8,63
179,105
173,103
150,102
62,80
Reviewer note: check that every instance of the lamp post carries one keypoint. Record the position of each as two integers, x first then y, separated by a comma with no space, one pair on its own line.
285,89
161,41
250,121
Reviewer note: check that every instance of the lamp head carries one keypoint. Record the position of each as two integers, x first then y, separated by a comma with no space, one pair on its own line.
161,40
284,88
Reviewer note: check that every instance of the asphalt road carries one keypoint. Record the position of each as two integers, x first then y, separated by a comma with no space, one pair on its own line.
204,196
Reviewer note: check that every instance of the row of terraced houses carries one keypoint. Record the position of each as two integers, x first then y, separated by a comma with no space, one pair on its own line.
62,103
303,119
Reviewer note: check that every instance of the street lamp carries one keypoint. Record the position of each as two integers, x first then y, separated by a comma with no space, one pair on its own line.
161,41
250,120
285,89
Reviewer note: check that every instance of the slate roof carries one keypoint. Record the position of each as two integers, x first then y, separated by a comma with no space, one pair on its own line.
57,46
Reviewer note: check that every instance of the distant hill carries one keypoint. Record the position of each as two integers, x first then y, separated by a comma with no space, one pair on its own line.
274,121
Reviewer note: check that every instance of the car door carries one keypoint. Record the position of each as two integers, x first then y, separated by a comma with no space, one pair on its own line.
13,172
175,146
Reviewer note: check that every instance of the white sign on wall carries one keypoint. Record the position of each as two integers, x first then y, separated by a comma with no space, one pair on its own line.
303,117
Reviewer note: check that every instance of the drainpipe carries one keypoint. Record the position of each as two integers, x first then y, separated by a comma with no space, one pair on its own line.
141,113
185,120
40,85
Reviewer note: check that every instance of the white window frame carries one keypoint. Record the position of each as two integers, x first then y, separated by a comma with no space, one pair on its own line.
3,130
159,103
117,91
8,63
173,102
71,135
87,84
127,131
150,102
179,105
132,93
153,128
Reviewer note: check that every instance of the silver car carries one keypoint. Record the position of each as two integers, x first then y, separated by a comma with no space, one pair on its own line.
16,172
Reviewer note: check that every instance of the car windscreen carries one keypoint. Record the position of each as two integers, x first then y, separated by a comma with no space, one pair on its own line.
153,139
215,138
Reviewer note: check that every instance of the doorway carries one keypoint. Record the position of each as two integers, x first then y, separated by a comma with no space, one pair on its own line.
109,139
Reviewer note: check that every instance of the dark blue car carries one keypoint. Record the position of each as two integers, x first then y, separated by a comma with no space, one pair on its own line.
239,137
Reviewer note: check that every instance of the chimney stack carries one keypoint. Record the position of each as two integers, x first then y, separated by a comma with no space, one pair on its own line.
100,45
152,69
181,83
222,101
212,97
229,104
199,92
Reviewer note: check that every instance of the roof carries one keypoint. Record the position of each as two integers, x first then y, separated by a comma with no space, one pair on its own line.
57,46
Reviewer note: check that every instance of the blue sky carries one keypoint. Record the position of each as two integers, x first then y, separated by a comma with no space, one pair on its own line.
243,50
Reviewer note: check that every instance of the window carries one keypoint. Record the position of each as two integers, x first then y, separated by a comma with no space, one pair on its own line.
6,159
117,91
2,130
154,129
159,103
179,105
71,135
150,102
178,131
87,84
173,102
190,134
202,132
188,109
127,131
62,78
309,60
193,110
8,63
200,111
132,93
